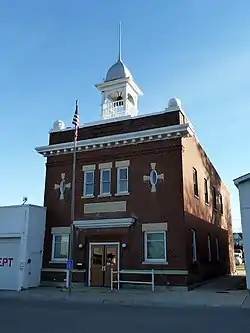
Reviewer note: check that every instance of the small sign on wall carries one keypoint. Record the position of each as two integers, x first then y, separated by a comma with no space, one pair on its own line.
6,262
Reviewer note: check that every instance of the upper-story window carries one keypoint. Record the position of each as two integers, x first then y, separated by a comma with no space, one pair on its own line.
221,204
195,182
122,180
214,198
105,181
88,183
88,180
105,178
206,190
122,168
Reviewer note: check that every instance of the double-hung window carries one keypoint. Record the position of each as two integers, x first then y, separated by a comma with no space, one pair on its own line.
60,245
195,182
217,249
214,198
88,183
122,180
155,246
88,180
206,190
209,248
194,245
105,182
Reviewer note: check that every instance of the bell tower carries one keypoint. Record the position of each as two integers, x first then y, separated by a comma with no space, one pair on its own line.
119,91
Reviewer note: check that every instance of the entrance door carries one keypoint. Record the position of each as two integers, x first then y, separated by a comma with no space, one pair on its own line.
103,258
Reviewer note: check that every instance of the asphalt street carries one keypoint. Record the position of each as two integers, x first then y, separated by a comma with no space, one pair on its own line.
21,316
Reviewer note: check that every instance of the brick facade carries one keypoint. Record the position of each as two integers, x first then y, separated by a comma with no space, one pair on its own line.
173,203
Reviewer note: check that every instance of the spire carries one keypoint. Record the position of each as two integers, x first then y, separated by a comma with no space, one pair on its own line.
120,42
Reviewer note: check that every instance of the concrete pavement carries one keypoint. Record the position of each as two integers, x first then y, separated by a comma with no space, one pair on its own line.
63,317
236,299
221,292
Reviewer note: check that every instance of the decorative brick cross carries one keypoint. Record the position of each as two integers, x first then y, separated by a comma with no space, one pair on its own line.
153,177
62,186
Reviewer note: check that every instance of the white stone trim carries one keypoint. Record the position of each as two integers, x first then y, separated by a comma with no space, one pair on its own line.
60,230
105,207
140,137
104,223
155,226
90,167
107,165
121,164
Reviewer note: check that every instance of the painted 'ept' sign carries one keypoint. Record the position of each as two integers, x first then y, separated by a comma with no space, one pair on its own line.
6,262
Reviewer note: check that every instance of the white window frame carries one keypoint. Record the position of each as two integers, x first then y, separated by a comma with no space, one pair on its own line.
53,259
101,182
118,191
209,247
85,183
146,260
217,249
194,245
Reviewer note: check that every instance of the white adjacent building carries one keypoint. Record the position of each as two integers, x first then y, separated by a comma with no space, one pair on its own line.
22,231
243,185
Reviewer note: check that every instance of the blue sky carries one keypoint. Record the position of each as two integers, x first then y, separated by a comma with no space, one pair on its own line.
53,52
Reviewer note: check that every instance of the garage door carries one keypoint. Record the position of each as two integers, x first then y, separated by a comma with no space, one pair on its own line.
9,263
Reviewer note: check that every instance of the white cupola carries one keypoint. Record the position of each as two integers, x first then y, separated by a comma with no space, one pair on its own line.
119,91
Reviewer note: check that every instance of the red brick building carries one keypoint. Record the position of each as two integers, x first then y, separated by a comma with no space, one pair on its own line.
147,196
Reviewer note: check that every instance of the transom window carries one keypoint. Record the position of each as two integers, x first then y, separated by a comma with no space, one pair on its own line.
122,180
155,246
88,183
105,181
60,244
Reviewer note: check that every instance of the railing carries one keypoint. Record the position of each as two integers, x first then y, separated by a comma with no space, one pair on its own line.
138,272
116,109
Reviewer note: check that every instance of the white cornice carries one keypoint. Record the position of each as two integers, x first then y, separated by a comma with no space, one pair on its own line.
104,223
118,140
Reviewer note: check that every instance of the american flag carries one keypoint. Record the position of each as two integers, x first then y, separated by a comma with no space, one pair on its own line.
75,121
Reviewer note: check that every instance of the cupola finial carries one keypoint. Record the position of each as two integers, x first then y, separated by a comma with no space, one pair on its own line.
120,42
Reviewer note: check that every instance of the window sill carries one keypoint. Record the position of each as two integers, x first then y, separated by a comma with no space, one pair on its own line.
87,196
207,204
196,196
155,263
58,261
122,194
104,195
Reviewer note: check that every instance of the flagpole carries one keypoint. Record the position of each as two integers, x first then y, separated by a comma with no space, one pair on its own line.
73,186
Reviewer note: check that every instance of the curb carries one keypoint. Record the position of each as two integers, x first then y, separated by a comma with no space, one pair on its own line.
121,302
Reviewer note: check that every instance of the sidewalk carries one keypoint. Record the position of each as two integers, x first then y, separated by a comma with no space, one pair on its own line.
195,298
